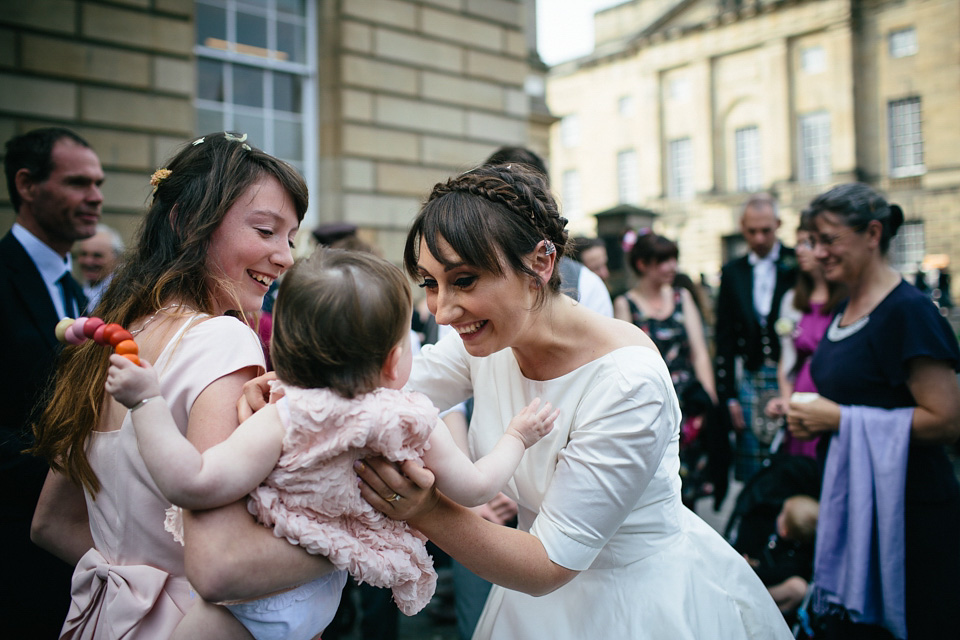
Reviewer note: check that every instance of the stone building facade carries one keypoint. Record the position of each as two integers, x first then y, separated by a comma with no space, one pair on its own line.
687,106
374,100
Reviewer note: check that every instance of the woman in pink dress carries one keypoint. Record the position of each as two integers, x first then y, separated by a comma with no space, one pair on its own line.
805,314
218,232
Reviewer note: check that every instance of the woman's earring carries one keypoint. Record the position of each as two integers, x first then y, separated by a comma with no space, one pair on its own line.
549,248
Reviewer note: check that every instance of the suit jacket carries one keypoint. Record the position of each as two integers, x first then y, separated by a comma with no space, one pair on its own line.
33,602
739,331
27,322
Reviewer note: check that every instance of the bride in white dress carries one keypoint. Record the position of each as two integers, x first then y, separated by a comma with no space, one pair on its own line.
604,548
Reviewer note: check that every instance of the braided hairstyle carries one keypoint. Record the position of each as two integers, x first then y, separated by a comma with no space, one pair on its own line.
491,217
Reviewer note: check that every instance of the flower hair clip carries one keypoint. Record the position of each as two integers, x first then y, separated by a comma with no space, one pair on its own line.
159,176
241,139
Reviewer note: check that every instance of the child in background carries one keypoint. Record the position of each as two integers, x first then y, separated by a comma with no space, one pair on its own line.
788,555
341,351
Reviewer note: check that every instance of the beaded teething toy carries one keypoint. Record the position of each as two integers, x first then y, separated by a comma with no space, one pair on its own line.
77,331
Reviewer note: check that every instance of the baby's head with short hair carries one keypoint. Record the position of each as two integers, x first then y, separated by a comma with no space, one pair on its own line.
337,317
798,519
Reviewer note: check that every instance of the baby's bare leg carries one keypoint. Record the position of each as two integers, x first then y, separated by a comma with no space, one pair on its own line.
205,621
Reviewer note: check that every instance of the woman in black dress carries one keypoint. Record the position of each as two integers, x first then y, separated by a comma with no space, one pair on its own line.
889,349
668,314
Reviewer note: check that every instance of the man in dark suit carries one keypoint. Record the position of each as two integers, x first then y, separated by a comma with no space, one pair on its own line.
748,305
54,179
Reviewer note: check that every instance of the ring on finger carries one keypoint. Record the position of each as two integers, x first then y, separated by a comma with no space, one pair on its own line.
394,497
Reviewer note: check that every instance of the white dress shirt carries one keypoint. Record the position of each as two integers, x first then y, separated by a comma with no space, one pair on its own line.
764,281
593,293
48,262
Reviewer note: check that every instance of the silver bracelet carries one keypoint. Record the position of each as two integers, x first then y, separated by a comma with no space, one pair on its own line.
141,403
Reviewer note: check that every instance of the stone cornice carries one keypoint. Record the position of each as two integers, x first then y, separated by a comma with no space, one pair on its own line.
659,32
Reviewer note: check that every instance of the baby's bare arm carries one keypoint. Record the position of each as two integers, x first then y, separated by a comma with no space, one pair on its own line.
222,474
532,423
475,483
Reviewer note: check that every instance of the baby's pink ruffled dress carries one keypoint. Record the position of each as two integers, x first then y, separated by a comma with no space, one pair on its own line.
312,499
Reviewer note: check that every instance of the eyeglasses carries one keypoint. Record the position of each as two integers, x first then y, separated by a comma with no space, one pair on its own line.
825,240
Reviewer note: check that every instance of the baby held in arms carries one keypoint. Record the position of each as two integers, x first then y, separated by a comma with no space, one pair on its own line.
342,353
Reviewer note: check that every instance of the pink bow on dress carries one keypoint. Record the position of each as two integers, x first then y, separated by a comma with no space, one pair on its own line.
114,601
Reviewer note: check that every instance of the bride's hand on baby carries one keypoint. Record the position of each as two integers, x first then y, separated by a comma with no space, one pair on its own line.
402,492
256,395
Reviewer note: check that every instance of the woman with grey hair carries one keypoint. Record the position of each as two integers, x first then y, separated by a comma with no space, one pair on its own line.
888,540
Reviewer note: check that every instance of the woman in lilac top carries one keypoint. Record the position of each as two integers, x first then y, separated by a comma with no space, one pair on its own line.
805,313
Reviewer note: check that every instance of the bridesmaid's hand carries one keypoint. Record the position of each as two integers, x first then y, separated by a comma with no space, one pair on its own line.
403,492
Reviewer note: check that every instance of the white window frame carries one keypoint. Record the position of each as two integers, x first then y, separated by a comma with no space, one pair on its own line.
679,88
813,60
680,169
749,159
813,147
902,43
572,193
628,184
570,130
306,71
908,247
905,127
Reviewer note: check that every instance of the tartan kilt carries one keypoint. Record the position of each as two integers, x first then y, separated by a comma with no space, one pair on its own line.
753,455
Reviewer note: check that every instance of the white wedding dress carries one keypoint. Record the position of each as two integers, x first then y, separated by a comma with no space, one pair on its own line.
602,494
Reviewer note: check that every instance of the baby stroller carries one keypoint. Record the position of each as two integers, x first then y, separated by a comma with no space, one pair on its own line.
753,524
754,515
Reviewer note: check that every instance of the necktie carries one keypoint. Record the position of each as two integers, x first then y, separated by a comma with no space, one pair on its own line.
69,300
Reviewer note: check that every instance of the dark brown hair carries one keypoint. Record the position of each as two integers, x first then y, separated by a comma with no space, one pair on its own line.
581,244
167,262
33,151
491,217
650,247
338,315
803,289
519,155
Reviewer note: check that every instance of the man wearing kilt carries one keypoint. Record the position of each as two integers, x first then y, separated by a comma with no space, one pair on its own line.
748,348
